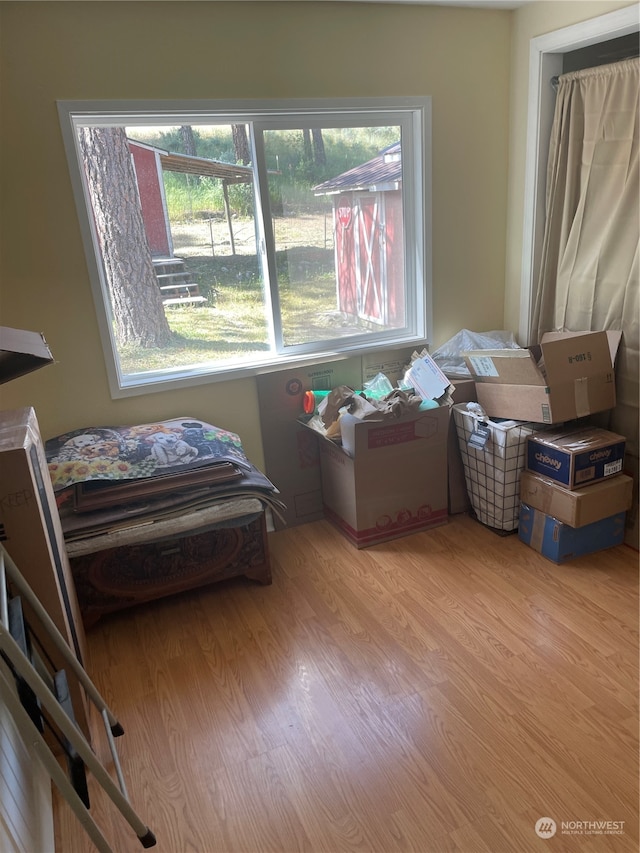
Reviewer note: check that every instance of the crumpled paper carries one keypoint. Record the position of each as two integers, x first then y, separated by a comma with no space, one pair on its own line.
393,405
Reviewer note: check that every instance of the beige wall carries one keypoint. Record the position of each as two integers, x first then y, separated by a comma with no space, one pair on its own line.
532,20
89,50
473,62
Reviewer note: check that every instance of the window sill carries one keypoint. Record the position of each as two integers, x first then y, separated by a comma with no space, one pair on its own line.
158,381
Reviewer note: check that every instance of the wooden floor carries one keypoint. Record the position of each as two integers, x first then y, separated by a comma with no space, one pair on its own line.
438,693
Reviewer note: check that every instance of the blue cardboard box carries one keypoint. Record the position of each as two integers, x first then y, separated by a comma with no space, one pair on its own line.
575,458
559,542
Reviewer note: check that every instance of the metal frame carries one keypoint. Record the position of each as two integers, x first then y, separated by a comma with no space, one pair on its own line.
22,665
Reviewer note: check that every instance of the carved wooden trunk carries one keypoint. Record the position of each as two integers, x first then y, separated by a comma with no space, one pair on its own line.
113,579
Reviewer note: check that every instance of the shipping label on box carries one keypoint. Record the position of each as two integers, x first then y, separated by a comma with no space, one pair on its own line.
580,506
560,542
576,457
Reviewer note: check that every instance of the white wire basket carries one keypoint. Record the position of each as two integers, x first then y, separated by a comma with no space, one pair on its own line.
492,473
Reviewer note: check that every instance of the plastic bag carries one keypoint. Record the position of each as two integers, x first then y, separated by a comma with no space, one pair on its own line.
378,387
449,358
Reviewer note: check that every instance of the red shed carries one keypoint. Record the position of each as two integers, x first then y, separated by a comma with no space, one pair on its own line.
148,169
150,162
369,238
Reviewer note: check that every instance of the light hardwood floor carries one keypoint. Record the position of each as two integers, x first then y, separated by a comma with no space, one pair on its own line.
437,693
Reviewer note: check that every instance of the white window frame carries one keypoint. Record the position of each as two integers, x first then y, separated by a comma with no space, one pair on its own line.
413,114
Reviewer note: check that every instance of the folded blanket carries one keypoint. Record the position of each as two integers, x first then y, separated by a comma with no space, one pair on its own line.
107,478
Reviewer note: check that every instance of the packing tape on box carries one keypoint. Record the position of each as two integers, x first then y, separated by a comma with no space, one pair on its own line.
581,394
537,530
543,498
546,499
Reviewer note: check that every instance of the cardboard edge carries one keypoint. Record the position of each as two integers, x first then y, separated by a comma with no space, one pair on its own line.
614,338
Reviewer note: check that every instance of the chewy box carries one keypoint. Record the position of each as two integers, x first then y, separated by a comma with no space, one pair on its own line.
575,458
559,542
396,481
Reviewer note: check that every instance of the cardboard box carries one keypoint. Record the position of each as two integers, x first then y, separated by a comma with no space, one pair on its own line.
464,391
21,352
575,458
396,482
291,456
573,378
290,450
581,506
32,534
559,542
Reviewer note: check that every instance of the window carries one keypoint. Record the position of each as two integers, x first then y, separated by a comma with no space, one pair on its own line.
223,239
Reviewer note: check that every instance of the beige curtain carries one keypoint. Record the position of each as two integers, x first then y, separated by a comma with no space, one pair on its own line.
589,276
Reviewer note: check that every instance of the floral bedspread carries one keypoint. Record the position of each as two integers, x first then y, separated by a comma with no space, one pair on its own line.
133,452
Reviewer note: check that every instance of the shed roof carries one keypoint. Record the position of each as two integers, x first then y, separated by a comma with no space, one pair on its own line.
382,172
229,172
185,163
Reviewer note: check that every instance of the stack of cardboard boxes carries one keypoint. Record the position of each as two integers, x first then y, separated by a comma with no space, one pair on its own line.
574,493
398,477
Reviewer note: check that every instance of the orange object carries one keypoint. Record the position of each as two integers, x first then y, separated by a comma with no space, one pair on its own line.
312,399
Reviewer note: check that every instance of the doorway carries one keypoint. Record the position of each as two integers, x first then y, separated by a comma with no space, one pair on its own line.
548,54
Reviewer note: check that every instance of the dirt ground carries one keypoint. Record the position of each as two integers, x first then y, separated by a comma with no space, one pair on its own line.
211,236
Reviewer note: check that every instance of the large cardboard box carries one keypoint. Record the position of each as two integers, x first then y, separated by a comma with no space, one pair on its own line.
572,378
32,534
290,451
576,458
396,481
291,456
560,542
581,506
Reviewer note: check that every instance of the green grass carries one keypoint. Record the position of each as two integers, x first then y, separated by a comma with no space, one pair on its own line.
232,323
235,326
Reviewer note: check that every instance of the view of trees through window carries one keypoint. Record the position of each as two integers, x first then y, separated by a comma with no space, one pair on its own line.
215,235
225,244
